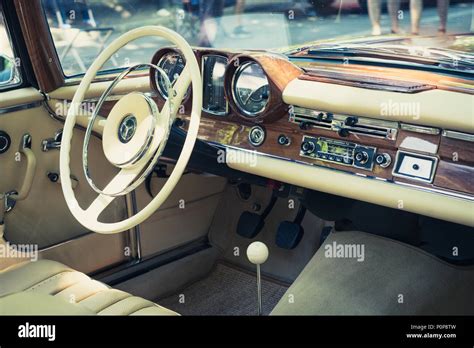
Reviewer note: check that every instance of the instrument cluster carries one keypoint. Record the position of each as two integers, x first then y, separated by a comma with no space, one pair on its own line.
230,87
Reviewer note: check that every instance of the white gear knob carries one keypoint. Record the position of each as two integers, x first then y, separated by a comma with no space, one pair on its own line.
257,253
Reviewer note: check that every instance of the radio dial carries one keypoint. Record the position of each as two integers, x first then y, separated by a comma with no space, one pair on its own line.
308,147
362,157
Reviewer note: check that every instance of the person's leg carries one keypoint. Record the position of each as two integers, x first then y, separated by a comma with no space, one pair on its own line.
239,29
443,6
393,8
374,14
416,7
210,12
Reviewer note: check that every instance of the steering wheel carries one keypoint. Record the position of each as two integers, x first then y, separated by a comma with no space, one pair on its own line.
135,134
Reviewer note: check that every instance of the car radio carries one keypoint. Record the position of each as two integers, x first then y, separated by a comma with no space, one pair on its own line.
340,152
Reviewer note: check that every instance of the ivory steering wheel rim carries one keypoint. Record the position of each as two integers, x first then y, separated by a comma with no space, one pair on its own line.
191,74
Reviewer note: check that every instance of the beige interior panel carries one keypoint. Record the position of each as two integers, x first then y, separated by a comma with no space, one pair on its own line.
185,216
19,97
369,190
435,106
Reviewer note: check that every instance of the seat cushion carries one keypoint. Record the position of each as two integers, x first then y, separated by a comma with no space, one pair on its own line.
385,277
50,278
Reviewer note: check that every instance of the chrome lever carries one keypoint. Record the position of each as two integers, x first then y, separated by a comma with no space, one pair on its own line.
52,143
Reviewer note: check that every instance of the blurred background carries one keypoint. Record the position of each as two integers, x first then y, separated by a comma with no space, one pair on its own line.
82,28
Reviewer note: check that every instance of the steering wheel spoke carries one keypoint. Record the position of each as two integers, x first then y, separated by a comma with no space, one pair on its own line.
176,93
120,182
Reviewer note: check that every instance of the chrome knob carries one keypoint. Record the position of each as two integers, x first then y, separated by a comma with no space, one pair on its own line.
383,160
308,147
362,157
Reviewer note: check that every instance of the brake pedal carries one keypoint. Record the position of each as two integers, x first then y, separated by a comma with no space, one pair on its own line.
250,224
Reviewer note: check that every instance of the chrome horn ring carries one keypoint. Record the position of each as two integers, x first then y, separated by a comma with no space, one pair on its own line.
146,145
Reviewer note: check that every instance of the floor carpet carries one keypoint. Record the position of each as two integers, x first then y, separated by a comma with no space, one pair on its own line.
226,291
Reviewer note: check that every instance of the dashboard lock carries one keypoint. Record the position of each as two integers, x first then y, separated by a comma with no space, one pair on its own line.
257,135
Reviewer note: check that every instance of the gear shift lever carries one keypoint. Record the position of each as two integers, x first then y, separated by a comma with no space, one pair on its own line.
257,253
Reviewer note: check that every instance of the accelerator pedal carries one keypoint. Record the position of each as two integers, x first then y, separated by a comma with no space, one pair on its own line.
289,233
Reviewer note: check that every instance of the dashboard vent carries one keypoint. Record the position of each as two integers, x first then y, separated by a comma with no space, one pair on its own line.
308,118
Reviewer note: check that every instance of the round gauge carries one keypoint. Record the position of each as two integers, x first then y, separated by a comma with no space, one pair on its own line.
172,64
250,89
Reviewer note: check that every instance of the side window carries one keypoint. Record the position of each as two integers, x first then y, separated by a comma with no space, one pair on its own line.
9,65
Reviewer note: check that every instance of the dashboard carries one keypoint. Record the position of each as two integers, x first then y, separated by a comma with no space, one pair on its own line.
265,104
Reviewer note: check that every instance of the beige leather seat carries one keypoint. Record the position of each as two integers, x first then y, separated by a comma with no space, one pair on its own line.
49,287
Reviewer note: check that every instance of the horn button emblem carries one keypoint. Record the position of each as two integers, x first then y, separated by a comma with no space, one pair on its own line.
127,128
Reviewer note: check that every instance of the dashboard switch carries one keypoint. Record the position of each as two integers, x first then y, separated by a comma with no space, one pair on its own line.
383,160
284,140
351,121
305,125
343,132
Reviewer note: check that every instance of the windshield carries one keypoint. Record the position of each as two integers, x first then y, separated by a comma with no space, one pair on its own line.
81,29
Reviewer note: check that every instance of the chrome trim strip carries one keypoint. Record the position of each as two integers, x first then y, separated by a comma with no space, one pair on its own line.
10,109
458,135
420,129
335,122
415,187
102,76
116,97
430,189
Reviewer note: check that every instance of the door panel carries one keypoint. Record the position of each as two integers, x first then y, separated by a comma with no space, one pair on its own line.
43,217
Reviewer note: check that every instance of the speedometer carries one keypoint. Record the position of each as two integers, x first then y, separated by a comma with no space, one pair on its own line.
250,89
173,65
